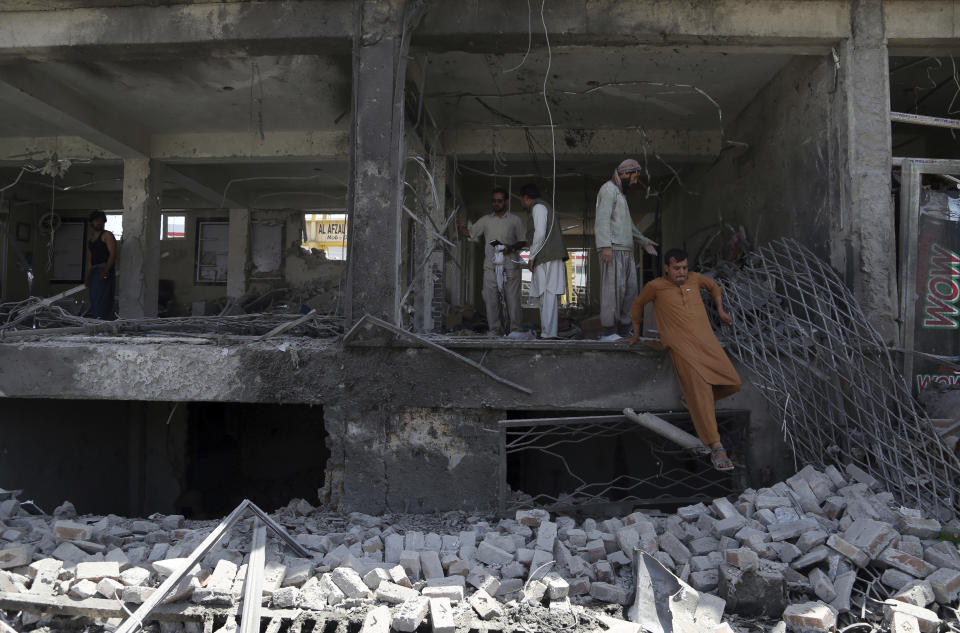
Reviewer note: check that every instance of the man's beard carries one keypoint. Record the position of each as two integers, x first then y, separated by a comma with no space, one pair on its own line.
625,184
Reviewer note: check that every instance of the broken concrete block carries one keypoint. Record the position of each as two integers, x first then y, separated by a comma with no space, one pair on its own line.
285,598
810,539
810,616
895,579
788,551
822,586
557,587
453,593
576,538
332,593
692,513
393,548
927,620
791,529
430,565
579,586
71,530
134,576
410,561
604,570
16,556
312,595
485,582
398,575
814,556
378,620
901,622
375,576
441,616
451,581
705,580
744,559
532,518
350,583
485,605
703,545
606,592
945,584
843,586
616,625
510,586
97,571
853,553
137,594
595,550
859,475
546,536
906,563
724,509
110,588
919,593
83,589
753,593
492,555
728,527
393,593
512,570
909,544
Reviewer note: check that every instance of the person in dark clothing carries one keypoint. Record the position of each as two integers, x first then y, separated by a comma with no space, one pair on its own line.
100,276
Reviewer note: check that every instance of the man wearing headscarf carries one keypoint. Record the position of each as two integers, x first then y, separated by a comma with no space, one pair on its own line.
615,232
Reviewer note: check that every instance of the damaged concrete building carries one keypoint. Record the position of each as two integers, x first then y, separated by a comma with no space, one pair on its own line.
224,139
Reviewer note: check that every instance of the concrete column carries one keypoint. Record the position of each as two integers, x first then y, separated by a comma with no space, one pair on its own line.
239,252
376,161
871,258
139,266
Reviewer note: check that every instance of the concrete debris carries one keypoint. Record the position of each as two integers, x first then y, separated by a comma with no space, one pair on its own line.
804,551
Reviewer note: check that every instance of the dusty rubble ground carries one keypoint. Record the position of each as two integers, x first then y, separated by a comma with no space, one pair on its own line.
822,551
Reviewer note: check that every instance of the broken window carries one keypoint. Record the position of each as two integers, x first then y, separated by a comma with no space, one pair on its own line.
173,227
326,232
267,249
114,223
212,247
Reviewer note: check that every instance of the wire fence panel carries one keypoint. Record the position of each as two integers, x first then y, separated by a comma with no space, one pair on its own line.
828,377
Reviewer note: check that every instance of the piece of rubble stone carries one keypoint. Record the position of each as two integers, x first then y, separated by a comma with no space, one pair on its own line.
285,598
441,616
72,530
927,620
901,622
393,593
97,571
843,585
485,605
350,583
377,620
919,593
137,594
906,563
110,588
134,576
754,593
453,593
83,589
945,584
822,586
16,556
895,579
810,616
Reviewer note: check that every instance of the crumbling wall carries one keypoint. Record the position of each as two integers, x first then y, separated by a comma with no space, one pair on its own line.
787,179
415,459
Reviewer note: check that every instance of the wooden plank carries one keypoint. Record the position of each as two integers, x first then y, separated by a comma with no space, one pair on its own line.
253,583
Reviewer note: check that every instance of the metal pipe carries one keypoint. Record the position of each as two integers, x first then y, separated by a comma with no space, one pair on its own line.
664,429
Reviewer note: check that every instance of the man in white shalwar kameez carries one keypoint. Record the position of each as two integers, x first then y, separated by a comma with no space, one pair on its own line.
547,257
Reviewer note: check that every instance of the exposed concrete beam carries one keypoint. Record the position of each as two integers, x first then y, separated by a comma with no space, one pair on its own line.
693,145
193,148
208,194
922,27
299,144
16,150
288,27
68,110
500,26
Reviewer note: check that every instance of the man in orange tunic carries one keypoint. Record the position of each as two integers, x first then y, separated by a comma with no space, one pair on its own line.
703,369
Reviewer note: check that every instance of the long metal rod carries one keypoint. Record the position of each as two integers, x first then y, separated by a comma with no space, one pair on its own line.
138,616
440,348
278,530
253,582
919,119
664,429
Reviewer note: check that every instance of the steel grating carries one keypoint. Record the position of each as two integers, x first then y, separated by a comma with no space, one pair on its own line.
655,473
827,375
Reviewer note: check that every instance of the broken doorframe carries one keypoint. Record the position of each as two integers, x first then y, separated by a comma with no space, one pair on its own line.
911,174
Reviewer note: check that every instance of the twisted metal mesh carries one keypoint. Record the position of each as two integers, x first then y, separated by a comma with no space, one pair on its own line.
654,472
825,372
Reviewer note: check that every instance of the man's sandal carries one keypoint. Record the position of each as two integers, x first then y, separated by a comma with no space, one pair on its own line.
724,463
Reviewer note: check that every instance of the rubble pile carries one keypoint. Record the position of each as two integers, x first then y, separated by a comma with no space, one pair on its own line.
794,551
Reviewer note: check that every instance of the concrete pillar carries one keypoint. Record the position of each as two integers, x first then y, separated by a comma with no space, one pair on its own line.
376,161
139,266
238,252
871,258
